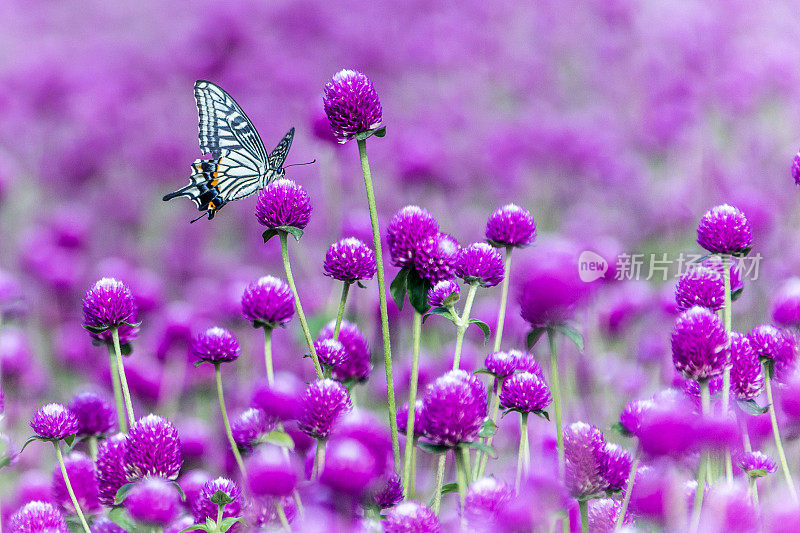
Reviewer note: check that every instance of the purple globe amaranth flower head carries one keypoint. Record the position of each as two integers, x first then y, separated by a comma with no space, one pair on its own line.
586,460
725,230
389,492
95,416
269,473
216,345
501,364
485,497
110,466
603,516
444,293
551,290
54,421
480,263
737,283
349,260
454,407
350,468
153,449
776,345
617,466
407,228
747,380
331,352
268,302
436,257
357,365
411,516
510,226
796,168
630,420
250,426
700,286
38,517
786,307
109,304
699,340
203,508
153,501
351,104
756,464
283,203
419,418
104,525
81,474
191,484
525,392
324,401
282,399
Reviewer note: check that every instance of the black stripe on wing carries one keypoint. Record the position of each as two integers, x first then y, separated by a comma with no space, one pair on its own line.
278,155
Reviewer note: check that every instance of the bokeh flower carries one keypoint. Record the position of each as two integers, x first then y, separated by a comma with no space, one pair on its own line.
81,474
269,473
95,416
153,501
786,306
351,104
796,168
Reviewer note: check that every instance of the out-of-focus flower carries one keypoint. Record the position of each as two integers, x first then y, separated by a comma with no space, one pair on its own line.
389,492
454,407
111,467
786,307
700,286
411,516
269,473
38,517
419,418
216,345
282,400
724,230
484,498
153,501
203,508
356,365
525,392
153,449
109,304
349,467
54,421
407,228
550,289
349,260
192,483
444,293
436,257
81,474
584,452
268,302
510,226
699,341
324,401
631,417
283,203
351,104
777,345
95,416
796,168
251,425
480,263
756,464
104,525
603,515
747,380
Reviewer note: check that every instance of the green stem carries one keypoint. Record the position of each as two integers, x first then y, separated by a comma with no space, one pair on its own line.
126,394
556,390
753,491
501,314
93,447
220,510
776,433
387,347
224,411
628,489
483,458
122,420
297,305
282,515
437,489
705,401
462,473
268,356
408,464
71,492
413,481
523,456
345,290
319,460
464,324
726,376
583,505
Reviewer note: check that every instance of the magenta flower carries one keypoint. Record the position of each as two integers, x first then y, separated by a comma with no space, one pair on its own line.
203,508
454,407
331,352
699,344
350,467
603,515
153,501
38,517
324,401
268,302
269,473
502,364
349,260
630,420
725,230
111,467
351,104
786,307
153,449
250,426
747,380
216,345
777,345
586,460
390,492
436,257
480,263
411,517
407,228
700,286
419,418
485,498
104,525
756,464
356,365
80,470
283,400
617,466
283,203
525,392
796,168
54,421
95,416
109,304
550,292
444,293
510,226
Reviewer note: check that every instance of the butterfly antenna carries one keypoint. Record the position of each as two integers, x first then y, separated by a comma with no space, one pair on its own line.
198,218
300,164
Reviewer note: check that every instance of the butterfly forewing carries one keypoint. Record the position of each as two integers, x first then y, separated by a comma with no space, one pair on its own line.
278,155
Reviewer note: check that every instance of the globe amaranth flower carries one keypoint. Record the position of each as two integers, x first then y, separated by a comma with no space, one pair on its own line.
699,342
419,418
153,449
349,260
38,517
281,400
356,365
777,345
216,345
786,307
525,392
724,230
454,407
110,304
80,470
737,283
407,228
586,460
110,467
411,517
603,515
153,501
444,293
630,419
283,203
351,104
485,497
95,416
54,421
550,291
747,379
501,364
350,467
269,473
796,168
436,257
324,401
510,226
756,464
268,302
104,525
389,492
250,426
617,466
480,263
203,508
191,484
700,286
331,352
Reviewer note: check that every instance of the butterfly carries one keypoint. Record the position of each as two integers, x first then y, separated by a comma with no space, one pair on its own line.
239,165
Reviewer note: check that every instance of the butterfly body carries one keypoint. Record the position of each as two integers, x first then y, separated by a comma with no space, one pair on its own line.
240,165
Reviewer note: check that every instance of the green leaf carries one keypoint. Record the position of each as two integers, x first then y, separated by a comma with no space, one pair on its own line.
488,428
572,334
757,473
69,439
377,132
269,234
417,291
132,324
619,428
220,498
196,527
448,488
200,363
430,447
120,516
361,284
483,371
769,366
5,461
398,287
31,439
211,525
122,493
126,349
279,438
179,489
441,311
534,336
544,414
293,231
743,252
485,448
484,328
751,407
736,294
96,329
228,523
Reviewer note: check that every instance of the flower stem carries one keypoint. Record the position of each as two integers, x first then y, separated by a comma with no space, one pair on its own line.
501,314
297,305
268,356
523,456
224,411
345,290
726,376
583,505
463,324
387,346
483,458
319,460
628,489
408,463
218,523
122,420
705,402
556,390
776,433
282,515
93,447
462,473
126,394
71,492
437,489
